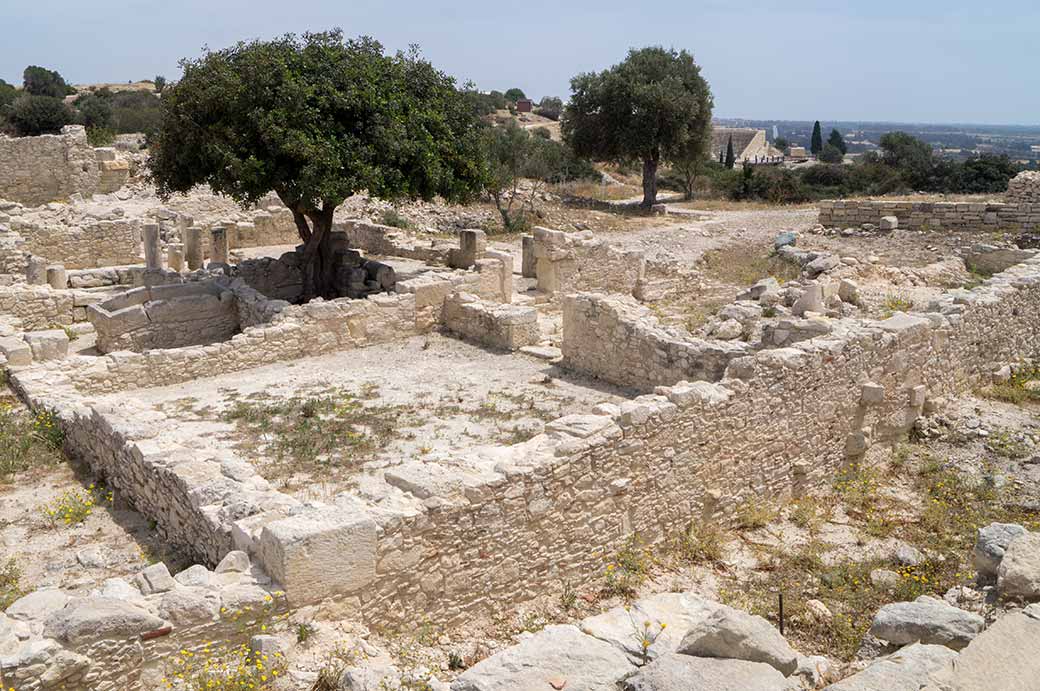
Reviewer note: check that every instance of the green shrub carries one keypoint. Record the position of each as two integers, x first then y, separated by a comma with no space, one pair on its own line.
34,115
100,136
393,218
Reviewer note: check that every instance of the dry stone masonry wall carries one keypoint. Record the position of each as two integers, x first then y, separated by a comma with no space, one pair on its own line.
573,262
934,216
1024,188
616,339
166,316
37,170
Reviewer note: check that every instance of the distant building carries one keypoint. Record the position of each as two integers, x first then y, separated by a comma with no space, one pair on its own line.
748,144
797,152
524,105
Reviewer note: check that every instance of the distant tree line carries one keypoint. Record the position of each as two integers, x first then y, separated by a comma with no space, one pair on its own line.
41,107
903,165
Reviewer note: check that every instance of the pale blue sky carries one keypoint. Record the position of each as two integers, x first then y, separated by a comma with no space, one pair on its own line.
909,60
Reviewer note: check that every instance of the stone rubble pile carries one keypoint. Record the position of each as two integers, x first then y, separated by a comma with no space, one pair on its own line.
119,636
1024,188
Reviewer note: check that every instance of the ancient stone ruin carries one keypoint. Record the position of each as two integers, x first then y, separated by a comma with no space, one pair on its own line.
142,327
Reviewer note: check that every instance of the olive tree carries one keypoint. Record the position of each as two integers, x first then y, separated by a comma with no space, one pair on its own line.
316,119
644,109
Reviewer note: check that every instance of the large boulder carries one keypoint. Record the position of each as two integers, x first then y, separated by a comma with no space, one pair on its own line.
907,669
89,619
1005,656
1019,574
927,620
38,605
731,634
620,626
675,672
555,657
991,544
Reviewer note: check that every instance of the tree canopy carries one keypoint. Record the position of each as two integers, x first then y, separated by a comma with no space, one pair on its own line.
40,81
837,141
816,143
643,109
513,95
315,119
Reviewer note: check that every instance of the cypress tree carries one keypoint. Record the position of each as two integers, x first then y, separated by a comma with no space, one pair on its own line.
837,141
730,158
817,139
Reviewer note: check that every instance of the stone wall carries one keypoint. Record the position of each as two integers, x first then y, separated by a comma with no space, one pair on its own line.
502,326
165,316
42,307
495,526
297,331
37,170
385,241
87,246
934,216
616,339
574,262
1024,188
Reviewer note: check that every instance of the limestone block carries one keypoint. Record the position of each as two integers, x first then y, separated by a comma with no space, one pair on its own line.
36,271
152,252
193,247
732,634
16,350
89,619
48,345
56,277
528,261
991,544
218,251
555,657
889,222
319,553
872,394
175,257
155,579
927,620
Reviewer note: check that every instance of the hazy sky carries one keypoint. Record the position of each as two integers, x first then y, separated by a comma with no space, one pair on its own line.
908,60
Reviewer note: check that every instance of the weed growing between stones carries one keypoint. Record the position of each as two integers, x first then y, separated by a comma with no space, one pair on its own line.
628,569
1005,443
753,514
10,589
1022,387
701,542
28,440
231,669
332,432
646,634
76,506
896,303
943,523
745,265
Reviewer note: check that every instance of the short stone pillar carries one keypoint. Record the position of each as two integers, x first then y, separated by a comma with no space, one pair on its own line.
193,247
529,262
36,271
473,244
175,256
152,252
56,277
218,253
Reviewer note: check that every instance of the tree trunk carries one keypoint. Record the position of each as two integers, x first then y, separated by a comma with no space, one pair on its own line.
649,181
319,271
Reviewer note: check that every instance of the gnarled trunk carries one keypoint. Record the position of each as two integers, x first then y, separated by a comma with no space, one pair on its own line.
317,264
650,180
